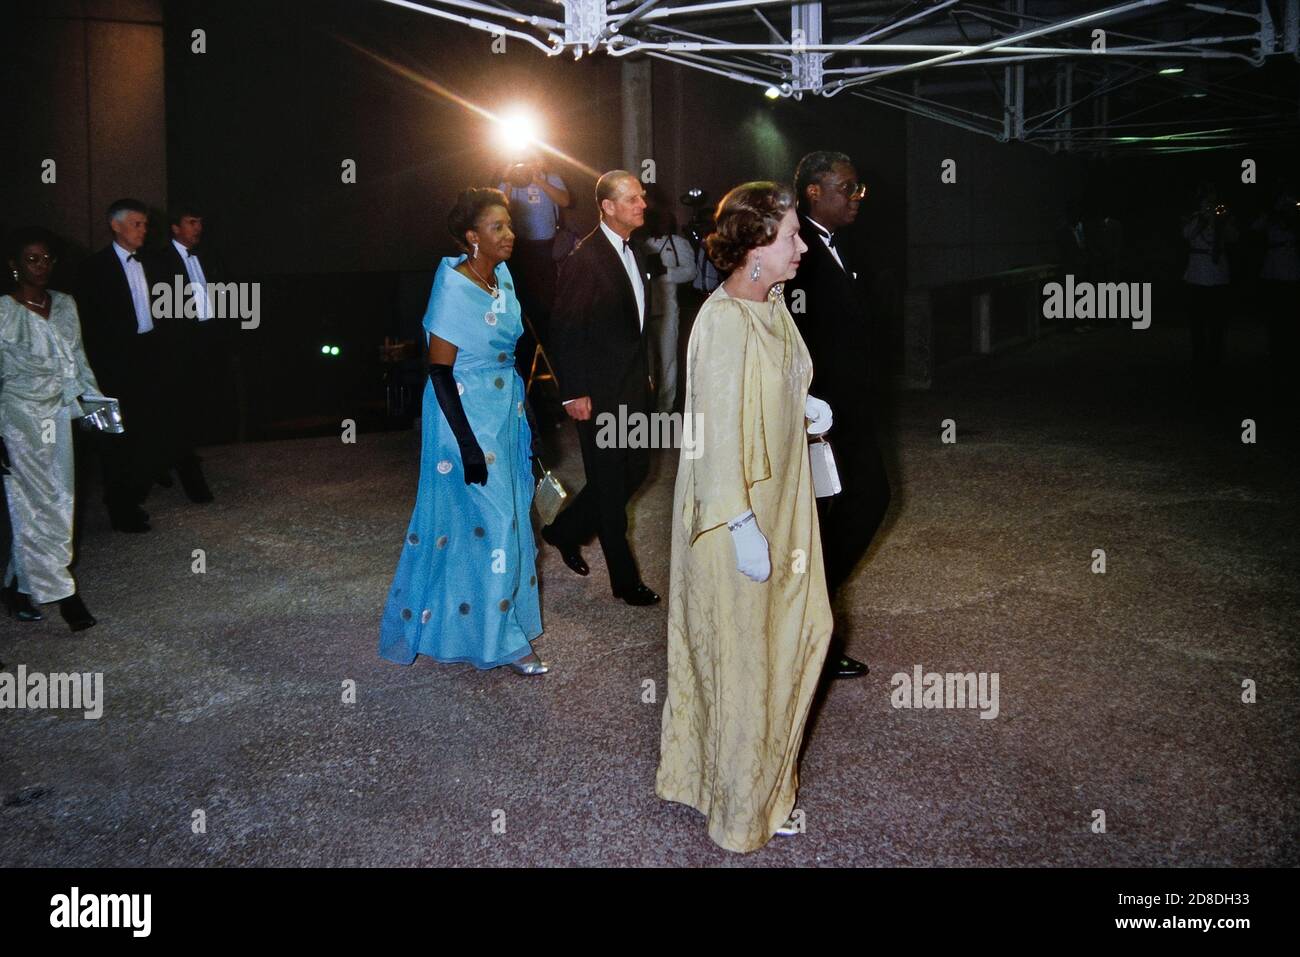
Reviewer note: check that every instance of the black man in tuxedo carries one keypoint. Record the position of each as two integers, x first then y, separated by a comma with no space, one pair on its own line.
828,300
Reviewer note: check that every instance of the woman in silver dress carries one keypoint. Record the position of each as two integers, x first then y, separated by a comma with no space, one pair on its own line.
43,370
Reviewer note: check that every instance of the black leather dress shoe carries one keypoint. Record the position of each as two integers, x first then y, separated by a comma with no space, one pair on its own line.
75,613
573,558
842,666
20,604
637,595
571,555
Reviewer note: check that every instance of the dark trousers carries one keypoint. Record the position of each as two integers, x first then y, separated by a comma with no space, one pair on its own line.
209,411
533,267
177,423
1282,304
130,460
1207,317
535,272
191,370
850,520
613,476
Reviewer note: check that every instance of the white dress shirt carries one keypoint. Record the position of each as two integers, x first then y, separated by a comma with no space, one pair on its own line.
135,278
194,269
624,251
825,235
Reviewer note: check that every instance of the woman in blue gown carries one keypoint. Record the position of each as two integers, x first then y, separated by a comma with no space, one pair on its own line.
466,582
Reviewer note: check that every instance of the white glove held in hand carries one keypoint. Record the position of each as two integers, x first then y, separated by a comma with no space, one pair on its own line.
751,547
818,414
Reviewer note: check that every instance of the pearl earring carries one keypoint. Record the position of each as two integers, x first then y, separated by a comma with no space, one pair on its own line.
475,255
15,275
755,272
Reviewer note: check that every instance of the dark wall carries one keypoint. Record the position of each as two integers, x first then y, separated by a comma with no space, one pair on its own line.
83,85
1001,213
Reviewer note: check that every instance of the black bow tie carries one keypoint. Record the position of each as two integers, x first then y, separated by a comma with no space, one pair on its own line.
190,252
135,256
830,239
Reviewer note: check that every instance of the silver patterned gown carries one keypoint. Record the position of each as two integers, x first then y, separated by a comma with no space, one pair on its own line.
43,369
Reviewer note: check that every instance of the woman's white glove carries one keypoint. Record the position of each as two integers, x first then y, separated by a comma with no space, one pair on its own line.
751,547
818,414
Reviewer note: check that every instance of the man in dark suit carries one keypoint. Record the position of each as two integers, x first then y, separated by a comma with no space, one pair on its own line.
117,326
194,345
599,349
828,299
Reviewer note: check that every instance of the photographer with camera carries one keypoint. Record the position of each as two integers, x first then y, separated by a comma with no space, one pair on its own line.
536,197
1209,231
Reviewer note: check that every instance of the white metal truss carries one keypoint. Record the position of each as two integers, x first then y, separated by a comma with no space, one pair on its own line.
1121,75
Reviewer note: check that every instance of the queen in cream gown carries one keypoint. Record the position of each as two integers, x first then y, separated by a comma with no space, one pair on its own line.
744,657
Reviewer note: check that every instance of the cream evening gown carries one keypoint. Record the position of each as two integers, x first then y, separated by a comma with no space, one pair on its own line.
744,657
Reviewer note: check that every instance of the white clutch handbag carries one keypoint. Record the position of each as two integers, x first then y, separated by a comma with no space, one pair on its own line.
826,477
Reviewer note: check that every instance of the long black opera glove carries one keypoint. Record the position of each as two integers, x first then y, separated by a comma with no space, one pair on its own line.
471,455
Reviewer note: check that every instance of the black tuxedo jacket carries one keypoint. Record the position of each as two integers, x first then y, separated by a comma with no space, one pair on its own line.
834,325
125,362
170,264
598,342
189,333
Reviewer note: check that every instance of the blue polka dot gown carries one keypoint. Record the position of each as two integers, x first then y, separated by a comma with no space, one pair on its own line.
466,582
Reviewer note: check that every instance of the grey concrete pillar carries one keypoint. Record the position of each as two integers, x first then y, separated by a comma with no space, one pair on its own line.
638,122
93,105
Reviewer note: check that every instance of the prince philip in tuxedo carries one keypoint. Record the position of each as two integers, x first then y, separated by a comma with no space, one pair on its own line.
828,300
117,326
598,345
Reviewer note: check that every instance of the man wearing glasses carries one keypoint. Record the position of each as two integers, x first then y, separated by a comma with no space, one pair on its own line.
828,299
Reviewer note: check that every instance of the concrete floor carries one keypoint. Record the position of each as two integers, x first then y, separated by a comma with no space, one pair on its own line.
1119,692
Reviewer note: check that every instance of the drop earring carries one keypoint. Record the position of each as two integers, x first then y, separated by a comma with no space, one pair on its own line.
15,275
755,272
475,253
